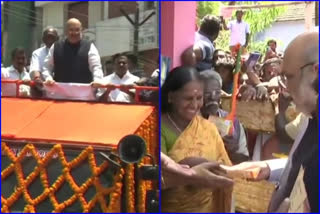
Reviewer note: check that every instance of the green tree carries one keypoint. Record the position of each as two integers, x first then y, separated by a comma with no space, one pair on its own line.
259,19
207,7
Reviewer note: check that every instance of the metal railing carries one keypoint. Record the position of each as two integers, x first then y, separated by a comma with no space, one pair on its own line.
138,89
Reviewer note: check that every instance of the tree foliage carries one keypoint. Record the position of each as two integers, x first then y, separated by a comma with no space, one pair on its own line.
258,19
207,7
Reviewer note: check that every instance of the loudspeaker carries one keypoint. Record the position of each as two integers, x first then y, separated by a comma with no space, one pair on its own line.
131,149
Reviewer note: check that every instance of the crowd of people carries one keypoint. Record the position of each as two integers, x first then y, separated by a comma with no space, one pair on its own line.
194,140
74,60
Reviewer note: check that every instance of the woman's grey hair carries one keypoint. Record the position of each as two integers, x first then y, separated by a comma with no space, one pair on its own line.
210,75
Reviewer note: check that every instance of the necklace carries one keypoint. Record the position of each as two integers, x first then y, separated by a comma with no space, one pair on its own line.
173,123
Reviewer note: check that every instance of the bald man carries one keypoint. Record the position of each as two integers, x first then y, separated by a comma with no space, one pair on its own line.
49,36
301,73
73,60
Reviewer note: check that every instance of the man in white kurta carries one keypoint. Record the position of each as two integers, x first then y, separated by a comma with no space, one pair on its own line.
16,71
50,35
121,76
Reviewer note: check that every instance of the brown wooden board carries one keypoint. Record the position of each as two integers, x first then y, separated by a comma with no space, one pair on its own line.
252,196
254,115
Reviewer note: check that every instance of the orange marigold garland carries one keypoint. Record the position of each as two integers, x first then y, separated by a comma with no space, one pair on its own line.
141,195
29,209
148,131
115,195
49,191
129,181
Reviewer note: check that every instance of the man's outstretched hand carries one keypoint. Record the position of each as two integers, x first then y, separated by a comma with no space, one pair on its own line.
248,167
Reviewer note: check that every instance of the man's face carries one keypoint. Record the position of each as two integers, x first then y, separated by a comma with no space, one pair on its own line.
121,65
212,95
239,16
299,82
19,61
215,36
50,37
187,101
219,55
74,33
271,70
273,46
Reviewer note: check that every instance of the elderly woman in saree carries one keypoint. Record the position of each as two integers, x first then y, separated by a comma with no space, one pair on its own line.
187,138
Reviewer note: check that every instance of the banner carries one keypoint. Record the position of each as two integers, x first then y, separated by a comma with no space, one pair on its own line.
70,91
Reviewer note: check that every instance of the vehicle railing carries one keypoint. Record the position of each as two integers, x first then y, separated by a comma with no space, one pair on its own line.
128,87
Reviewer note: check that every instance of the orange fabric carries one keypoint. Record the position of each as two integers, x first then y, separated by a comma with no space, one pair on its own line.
71,122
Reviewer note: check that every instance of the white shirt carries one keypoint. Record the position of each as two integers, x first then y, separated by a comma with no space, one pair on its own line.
278,165
9,89
117,95
155,73
37,59
238,32
93,60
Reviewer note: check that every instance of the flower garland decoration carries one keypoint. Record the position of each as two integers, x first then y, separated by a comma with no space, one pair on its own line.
129,181
114,205
66,176
148,131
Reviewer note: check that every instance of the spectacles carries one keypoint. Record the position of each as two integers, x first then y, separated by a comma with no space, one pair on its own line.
283,79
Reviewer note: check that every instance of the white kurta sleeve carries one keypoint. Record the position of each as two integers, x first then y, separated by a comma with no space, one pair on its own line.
48,65
276,168
95,63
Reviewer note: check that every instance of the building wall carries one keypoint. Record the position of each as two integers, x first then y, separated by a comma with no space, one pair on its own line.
80,11
54,14
177,28
114,8
95,12
115,35
18,30
150,61
111,35
283,31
